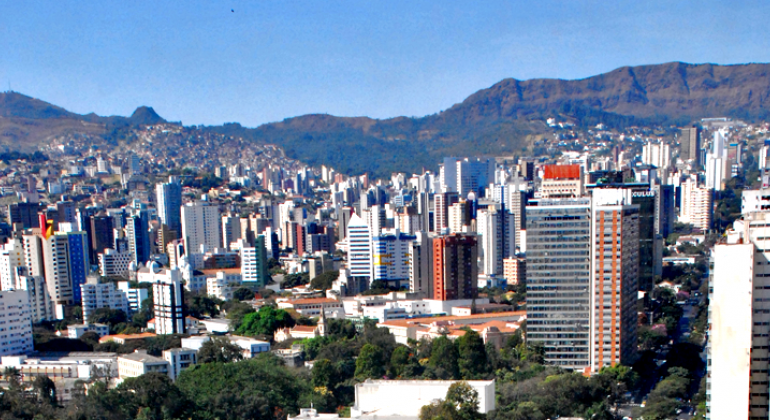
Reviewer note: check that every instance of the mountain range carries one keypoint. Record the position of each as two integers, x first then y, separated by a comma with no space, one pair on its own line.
503,119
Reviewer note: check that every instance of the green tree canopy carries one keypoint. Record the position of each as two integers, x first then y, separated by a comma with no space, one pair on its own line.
370,362
219,349
265,321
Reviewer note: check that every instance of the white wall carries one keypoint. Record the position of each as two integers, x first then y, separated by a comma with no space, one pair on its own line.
378,397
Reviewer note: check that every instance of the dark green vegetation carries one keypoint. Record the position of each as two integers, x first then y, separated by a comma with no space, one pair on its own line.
504,119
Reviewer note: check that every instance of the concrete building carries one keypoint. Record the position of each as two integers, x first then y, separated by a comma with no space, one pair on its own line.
11,257
515,270
254,262
200,226
178,360
390,258
138,363
374,398
455,267
689,145
168,298
656,154
16,321
615,278
37,293
562,181
497,238
739,313
421,265
168,196
310,307
101,295
441,204
559,280
134,296
221,283
359,239
76,331
114,263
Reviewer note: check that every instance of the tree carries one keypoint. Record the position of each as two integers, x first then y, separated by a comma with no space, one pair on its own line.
219,349
265,321
370,362
324,280
324,374
399,360
243,293
472,360
443,359
45,390
111,317
154,396
461,403
201,305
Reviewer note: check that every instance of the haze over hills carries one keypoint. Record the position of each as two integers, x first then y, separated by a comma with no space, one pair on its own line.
503,119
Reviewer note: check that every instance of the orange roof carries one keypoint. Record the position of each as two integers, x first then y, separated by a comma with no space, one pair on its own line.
310,301
562,172
430,319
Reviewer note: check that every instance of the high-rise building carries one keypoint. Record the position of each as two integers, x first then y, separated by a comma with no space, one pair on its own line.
455,267
254,262
359,248
102,295
37,293
135,296
738,319
615,276
497,239
689,145
200,226
11,257
656,154
169,202
559,280
114,263
515,270
167,299
102,236
24,213
473,176
696,205
16,319
138,235
421,265
231,229
441,204
390,255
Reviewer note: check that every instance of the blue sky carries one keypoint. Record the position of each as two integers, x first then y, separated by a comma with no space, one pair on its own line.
198,62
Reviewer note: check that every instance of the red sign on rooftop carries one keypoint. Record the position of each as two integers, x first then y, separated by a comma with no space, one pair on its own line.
562,172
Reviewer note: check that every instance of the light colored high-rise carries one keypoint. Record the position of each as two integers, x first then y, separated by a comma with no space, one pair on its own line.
359,248
11,257
200,226
16,319
738,318
37,293
102,295
169,201
167,299
390,255
496,228
656,154
562,181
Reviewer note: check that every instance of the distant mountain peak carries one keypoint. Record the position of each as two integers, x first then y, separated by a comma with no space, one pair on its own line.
146,115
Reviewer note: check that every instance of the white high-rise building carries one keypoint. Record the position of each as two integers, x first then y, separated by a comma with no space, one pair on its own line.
359,247
11,257
696,205
114,263
37,293
390,258
497,230
167,298
97,295
134,296
656,154
16,321
717,171
200,225
739,315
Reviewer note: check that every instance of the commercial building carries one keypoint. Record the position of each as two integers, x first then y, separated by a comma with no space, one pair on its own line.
421,265
167,296
390,255
497,238
455,267
254,262
101,295
559,280
114,263
515,270
689,145
359,239
138,363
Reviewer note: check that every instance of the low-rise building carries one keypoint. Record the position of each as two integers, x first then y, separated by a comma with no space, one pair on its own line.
76,331
179,359
310,307
125,338
138,363
375,398
493,327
